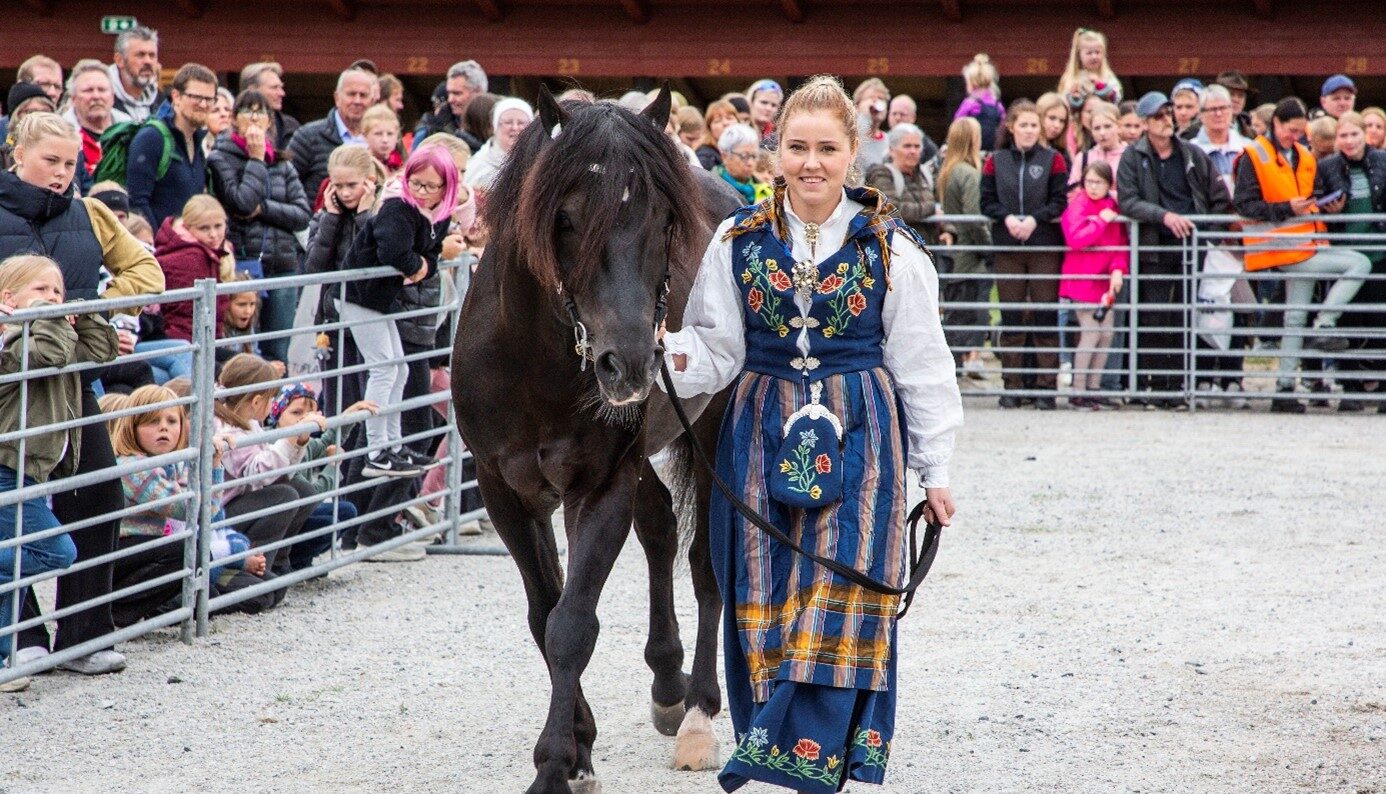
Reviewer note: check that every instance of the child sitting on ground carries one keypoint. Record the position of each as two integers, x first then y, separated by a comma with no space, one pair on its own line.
1092,278
30,282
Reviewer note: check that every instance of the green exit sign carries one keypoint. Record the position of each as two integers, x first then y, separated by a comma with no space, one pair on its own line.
115,25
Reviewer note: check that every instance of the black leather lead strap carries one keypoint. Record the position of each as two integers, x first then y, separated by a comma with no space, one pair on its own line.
921,560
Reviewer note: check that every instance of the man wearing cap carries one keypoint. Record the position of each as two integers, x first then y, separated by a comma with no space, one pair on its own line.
1338,96
1275,186
1240,91
1161,180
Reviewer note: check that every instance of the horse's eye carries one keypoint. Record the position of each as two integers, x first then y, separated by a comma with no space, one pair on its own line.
565,224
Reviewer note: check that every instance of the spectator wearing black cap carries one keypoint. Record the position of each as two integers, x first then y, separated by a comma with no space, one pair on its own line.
1161,180
1239,91
24,98
1338,95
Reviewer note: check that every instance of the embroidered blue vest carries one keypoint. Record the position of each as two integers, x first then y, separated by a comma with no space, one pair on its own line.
843,326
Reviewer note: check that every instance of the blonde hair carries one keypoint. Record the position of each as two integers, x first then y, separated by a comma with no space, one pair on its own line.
179,386
201,207
136,225
1074,72
1106,109
1324,127
981,74
1351,117
358,158
110,402
458,148
125,438
824,93
244,369
20,270
964,146
107,186
869,84
1373,111
1043,105
35,127
379,114
689,120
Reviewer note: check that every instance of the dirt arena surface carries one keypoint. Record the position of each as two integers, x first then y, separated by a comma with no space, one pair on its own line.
1128,601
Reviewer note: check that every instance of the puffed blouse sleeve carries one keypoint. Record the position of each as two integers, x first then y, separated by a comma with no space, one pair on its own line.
919,361
713,334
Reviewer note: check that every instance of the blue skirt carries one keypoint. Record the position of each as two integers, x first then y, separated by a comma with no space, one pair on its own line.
810,658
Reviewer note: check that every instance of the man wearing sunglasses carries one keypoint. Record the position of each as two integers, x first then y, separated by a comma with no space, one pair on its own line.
1161,180
166,165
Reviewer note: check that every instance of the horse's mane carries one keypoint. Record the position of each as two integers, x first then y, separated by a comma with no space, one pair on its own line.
602,150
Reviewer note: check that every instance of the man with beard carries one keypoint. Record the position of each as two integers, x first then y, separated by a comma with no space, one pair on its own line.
156,195
135,75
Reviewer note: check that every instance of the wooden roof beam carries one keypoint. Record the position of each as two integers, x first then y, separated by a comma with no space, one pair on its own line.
1265,9
1106,8
637,10
793,11
344,9
952,9
41,7
192,8
491,9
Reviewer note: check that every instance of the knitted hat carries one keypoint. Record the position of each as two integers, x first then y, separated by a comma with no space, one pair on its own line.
287,394
510,103
23,92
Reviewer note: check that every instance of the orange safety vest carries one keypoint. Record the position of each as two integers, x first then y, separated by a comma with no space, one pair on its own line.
1279,182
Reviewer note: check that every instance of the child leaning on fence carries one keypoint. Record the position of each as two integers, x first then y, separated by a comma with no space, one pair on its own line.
162,429
28,282
298,403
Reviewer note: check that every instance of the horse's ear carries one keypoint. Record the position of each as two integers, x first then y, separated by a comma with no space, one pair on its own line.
658,110
551,114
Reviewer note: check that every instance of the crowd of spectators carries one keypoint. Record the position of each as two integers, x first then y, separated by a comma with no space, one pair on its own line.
126,187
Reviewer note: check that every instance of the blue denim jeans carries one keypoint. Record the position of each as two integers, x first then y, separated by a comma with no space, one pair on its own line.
40,556
167,367
301,554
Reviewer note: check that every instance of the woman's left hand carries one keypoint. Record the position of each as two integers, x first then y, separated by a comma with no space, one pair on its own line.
939,508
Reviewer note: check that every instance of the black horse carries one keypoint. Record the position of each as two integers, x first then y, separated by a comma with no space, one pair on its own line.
597,222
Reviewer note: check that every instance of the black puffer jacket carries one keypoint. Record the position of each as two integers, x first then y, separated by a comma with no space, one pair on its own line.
242,185
329,240
397,236
311,145
1030,183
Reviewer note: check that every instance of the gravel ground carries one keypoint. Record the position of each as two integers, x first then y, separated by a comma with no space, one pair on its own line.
1128,602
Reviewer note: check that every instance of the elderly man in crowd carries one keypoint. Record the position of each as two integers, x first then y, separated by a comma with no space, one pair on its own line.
1161,180
314,141
90,99
135,75
267,77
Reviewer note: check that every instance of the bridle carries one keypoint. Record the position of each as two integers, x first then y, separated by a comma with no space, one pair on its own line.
582,339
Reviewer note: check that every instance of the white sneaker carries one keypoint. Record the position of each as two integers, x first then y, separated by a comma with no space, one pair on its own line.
1065,375
424,515
1207,395
18,685
33,653
975,369
1234,399
409,552
99,663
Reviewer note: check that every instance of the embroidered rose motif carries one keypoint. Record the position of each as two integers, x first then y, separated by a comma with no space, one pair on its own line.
856,303
823,463
830,284
755,298
873,738
807,749
780,281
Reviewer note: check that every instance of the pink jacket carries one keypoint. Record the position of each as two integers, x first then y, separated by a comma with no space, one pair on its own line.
1083,229
246,460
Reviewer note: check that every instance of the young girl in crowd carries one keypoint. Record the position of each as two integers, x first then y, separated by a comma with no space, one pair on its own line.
1129,123
983,101
27,282
1092,278
241,319
380,128
1107,144
238,416
1087,60
406,234
960,193
191,247
140,229
1023,185
162,429
1054,118
296,403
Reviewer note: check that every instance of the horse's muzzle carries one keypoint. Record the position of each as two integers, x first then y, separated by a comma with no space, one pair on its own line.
626,379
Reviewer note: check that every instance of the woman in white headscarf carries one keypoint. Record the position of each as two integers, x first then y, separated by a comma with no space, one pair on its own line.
509,118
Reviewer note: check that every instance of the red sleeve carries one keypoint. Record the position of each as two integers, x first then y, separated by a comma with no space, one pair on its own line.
989,167
1060,164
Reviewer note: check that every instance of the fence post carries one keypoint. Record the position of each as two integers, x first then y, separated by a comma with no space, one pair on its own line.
1134,312
205,369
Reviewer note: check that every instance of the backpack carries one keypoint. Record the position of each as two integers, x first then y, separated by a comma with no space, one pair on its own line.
115,150
989,119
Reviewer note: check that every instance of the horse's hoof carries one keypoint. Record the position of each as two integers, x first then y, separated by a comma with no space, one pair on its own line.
585,785
695,749
667,719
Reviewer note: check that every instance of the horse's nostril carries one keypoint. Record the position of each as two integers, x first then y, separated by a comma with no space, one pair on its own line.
609,364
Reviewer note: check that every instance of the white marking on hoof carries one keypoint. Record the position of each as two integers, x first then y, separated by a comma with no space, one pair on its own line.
696,748
667,719
585,784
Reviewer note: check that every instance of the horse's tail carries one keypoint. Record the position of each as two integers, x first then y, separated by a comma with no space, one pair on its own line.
681,477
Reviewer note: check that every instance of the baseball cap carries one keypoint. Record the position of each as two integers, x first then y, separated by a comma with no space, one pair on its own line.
1151,104
1336,83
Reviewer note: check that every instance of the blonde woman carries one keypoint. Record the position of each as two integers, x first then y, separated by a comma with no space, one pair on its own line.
960,193
37,209
865,333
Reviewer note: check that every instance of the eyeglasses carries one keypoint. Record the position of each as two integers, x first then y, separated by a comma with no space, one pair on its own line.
47,84
425,188
745,157
254,114
199,99
1219,109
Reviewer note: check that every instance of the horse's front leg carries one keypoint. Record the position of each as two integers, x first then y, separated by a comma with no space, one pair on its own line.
597,529
656,527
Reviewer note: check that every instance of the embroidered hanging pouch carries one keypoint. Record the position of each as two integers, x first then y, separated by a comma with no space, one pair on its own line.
809,471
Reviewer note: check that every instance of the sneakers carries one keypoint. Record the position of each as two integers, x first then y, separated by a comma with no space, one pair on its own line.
1009,401
1045,404
975,369
1328,344
384,463
99,663
1065,375
33,653
424,515
416,458
1348,406
1234,399
409,552
1284,402
1207,394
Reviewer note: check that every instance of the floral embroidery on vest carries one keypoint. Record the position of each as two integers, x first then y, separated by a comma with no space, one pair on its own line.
768,280
801,763
848,283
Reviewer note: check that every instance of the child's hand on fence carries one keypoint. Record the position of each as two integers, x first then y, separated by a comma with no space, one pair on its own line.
363,405
453,246
221,444
1108,214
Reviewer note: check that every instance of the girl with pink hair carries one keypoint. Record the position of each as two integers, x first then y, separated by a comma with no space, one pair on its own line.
406,233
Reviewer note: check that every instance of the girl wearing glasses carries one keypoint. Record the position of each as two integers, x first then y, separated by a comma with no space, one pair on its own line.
265,207
405,234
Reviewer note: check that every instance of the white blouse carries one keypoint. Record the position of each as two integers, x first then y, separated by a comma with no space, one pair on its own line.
916,355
